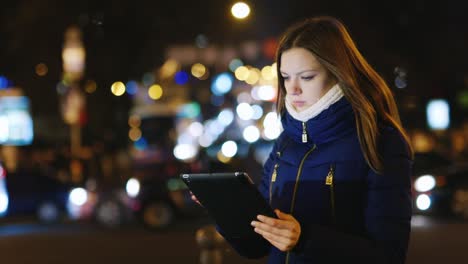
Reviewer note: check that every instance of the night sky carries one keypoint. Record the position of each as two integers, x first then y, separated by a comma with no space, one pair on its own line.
125,39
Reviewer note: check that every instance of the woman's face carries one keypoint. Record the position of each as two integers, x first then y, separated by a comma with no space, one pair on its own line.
305,79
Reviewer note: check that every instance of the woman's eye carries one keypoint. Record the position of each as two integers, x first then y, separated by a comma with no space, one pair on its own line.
307,78
285,78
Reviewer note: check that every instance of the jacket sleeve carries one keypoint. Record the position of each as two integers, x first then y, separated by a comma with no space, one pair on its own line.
387,213
256,247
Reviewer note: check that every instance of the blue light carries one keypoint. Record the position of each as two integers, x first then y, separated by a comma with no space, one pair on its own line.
132,87
141,144
222,84
438,114
181,77
3,82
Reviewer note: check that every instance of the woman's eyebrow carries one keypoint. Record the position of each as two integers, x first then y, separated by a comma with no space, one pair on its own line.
300,72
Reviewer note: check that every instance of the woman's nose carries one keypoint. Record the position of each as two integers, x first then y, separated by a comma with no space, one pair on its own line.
295,88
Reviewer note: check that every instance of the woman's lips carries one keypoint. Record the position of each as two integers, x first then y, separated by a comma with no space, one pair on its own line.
298,103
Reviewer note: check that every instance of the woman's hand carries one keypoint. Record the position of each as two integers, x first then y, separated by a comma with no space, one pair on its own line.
282,233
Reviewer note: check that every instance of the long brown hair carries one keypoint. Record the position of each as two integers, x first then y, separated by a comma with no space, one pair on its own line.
370,97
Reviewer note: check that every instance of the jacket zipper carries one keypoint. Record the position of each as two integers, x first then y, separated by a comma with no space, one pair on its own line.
304,133
273,176
296,185
329,182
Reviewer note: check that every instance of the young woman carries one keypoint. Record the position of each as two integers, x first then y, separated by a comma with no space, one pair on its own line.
339,174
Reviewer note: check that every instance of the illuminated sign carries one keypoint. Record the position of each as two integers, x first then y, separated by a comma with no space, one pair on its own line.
16,126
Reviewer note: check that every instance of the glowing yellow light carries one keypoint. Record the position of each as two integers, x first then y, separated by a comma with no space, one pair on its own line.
155,91
198,70
134,121
90,86
118,88
240,10
254,76
223,158
274,70
134,134
169,68
267,73
242,73
41,69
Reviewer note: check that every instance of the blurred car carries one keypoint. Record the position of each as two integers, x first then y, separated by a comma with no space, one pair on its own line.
157,200
31,193
439,186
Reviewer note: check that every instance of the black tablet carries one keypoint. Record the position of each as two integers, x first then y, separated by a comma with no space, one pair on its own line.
231,199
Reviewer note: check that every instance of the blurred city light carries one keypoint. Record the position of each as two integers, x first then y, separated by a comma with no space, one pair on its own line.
225,117
423,202
73,54
242,73
257,112
201,41
266,93
3,202
205,140
196,129
3,82
90,86
169,68
222,84
134,134
181,77
267,73
244,97
424,183
229,149
234,64
438,114
132,187
251,134
190,110
118,88
155,92
132,87
148,79
272,126
254,76
185,151
240,10
198,70
244,111
78,196
141,144
41,69
134,121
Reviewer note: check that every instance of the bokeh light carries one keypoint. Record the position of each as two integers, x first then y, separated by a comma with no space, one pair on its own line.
41,69
155,92
229,149
242,73
244,111
225,117
198,70
240,10
90,86
251,134
222,84
118,88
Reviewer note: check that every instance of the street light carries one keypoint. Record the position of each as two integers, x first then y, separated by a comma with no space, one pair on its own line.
73,56
240,10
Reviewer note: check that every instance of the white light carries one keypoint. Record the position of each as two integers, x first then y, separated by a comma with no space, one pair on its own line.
225,117
78,196
185,151
258,112
206,140
196,129
272,126
251,134
423,202
438,114
244,111
240,10
3,202
266,92
222,84
4,128
214,127
424,183
185,138
132,187
229,149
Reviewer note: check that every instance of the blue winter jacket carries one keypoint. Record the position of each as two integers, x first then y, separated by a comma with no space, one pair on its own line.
348,213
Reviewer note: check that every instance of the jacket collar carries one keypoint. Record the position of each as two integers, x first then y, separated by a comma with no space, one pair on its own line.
331,124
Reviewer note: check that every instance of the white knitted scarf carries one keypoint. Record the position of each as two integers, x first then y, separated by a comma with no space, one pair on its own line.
331,97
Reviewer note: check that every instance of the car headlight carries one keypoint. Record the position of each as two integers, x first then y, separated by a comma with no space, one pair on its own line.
425,183
78,196
132,187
